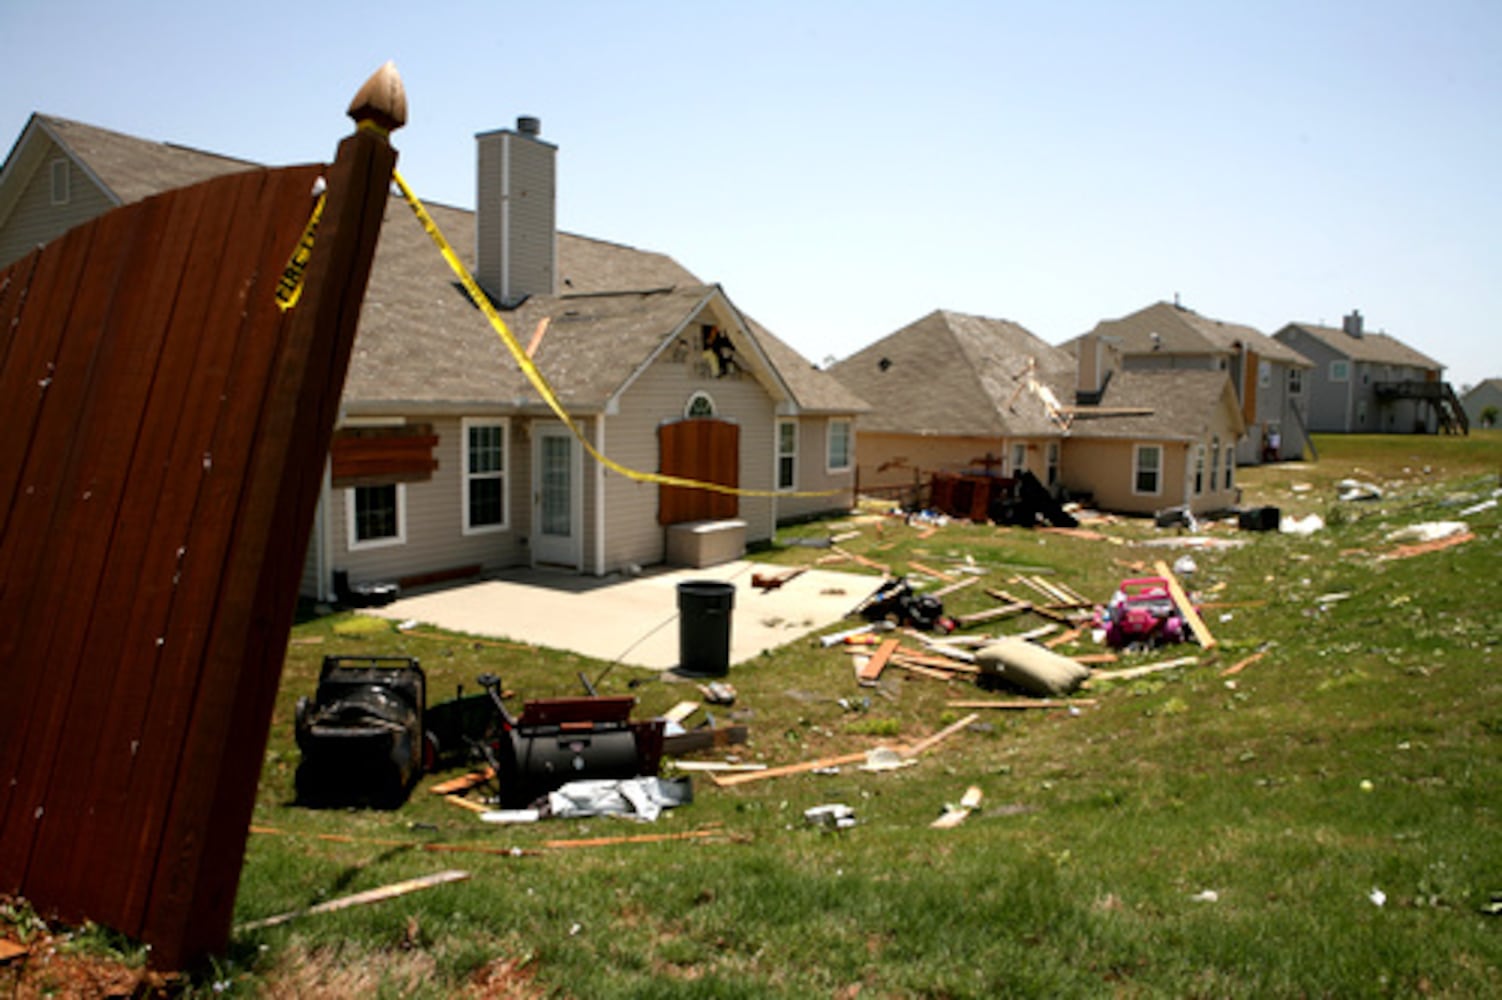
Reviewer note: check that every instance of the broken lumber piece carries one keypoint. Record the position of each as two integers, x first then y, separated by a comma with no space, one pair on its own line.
360,899
786,769
681,711
991,614
1185,606
640,838
862,560
939,737
463,783
1020,704
703,739
1241,665
1089,659
464,803
1065,637
944,673
870,672
1129,673
930,571
956,585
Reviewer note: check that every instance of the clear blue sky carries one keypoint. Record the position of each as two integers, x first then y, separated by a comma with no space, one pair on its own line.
844,168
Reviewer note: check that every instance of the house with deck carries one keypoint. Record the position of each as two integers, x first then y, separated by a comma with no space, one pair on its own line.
446,461
1372,383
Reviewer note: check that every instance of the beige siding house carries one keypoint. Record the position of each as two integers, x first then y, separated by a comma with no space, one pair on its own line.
949,394
954,393
446,461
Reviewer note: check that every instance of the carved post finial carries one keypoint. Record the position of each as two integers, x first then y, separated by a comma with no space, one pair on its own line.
381,101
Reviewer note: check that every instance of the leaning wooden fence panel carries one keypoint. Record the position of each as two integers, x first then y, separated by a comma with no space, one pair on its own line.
166,432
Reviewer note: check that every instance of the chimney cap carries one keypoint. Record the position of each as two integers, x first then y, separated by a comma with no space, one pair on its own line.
529,125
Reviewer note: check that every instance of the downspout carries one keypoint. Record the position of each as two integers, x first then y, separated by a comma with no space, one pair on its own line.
323,559
599,497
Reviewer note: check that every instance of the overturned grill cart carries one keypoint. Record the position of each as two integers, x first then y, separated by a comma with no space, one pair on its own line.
558,740
361,735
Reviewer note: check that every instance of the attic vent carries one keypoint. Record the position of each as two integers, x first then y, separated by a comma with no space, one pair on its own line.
884,364
528,125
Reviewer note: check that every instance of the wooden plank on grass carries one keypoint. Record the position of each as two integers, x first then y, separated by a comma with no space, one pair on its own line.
787,769
932,741
681,711
921,568
360,898
463,783
1020,704
1142,671
1241,665
992,614
878,662
862,560
1185,606
944,673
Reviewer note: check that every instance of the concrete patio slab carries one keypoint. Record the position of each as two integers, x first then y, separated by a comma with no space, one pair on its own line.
634,620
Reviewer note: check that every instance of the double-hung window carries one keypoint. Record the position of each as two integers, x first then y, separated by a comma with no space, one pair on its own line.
787,454
484,497
1147,461
839,446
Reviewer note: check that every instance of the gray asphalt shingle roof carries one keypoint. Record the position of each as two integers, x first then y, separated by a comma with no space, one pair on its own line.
953,374
1373,348
1183,331
422,342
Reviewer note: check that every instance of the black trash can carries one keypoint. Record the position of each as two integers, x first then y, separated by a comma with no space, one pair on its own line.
704,608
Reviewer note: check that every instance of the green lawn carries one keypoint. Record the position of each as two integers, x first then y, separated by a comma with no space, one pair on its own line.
1189,834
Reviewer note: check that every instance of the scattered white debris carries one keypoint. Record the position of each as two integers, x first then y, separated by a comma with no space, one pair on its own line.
1429,531
1477,508
1377,896
1207,896
1301,525
833,816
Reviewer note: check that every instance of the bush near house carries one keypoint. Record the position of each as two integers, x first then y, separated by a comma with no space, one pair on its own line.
1324,822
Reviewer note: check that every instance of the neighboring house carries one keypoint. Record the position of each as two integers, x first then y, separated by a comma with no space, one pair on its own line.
1483,401
446,462
1148,440
957,393
948,394
1268,377
1366,383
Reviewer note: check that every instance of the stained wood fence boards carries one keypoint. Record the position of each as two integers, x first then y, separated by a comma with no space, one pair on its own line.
705,450
166,430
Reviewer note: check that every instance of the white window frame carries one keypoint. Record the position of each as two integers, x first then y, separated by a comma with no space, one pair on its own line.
1230,466
1264,374
504,475
1053,464
1295,381
1199,468
791,455
1340,370
1214,463
829,440
1138,450
400,538
1018,458
62,186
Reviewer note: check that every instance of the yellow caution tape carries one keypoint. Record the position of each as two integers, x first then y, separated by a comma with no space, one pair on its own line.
289,287
540,383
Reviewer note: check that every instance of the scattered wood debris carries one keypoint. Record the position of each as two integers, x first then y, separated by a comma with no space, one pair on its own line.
1020,704
359,899
1241,665
1129,673
1185,606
